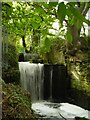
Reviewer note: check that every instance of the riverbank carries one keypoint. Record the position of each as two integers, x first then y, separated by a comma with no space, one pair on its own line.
16,103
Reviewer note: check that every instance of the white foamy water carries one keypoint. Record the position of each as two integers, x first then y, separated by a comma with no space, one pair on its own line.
31,79
59,110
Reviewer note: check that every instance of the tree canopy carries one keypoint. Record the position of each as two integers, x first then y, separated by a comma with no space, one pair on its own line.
35,19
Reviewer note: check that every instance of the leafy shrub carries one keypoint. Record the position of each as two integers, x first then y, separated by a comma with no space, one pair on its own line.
10,70
11,57
11,75
16,103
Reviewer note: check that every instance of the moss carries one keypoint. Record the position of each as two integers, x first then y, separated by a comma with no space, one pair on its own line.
80,71
82,86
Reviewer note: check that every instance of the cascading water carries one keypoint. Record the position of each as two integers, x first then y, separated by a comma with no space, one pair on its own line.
41,79
32,79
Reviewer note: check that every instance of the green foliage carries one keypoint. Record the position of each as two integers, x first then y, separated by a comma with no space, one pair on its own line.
10,70
6,11
11,75
34,25
81,86
80,72
78,15
16,103
47,44
11,56
69,37
52,51
53,4
40,10
61,12
24,18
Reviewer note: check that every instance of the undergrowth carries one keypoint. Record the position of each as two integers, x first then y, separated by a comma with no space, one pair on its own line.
16,103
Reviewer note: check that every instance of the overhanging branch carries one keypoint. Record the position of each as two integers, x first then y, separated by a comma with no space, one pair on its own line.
85,10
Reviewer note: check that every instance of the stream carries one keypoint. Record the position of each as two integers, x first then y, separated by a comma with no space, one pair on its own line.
49,82
59,111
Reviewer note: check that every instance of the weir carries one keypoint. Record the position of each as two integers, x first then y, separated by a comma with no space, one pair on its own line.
44,82
49,83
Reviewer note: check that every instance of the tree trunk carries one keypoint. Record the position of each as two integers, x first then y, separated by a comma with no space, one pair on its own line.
24,44
72,48
23,41
75,35
75,29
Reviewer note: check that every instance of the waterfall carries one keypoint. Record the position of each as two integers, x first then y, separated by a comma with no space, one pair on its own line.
31,79
43,81
48,82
